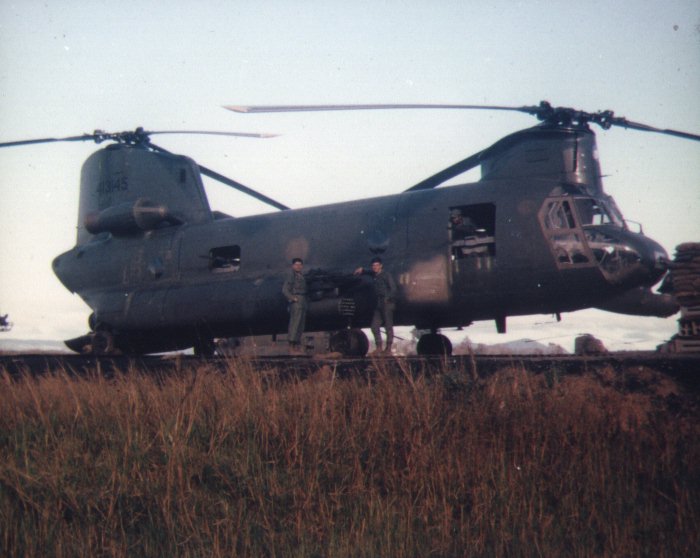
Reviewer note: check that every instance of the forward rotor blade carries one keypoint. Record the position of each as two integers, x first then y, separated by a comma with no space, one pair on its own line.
646,128
450,172
544,112
238,186
312,108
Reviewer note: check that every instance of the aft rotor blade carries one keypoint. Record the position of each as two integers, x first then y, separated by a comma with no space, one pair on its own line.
138,136
225,180
84,137
450,172
312,108
238,186
201,132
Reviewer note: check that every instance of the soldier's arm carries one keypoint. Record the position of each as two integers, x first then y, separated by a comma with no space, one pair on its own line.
363,271
287,287
391,287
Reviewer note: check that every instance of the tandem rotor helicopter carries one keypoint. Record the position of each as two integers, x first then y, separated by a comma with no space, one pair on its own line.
537,234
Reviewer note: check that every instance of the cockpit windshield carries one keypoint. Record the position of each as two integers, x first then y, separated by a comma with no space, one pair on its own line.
599,212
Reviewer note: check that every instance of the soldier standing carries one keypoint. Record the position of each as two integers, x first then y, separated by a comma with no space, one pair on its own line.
294,289
385,291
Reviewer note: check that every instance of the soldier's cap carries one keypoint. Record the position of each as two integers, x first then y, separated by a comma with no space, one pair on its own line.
376,260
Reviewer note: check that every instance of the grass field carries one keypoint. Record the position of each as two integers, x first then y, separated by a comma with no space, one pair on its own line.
240,463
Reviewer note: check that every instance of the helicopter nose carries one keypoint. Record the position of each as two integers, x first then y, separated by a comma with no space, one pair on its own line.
654,260
629,259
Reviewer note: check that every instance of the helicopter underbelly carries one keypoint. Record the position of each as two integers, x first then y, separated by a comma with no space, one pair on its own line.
484,295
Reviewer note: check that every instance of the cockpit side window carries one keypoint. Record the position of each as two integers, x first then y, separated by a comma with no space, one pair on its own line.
564,235
614,212
558,215
592,212
598,212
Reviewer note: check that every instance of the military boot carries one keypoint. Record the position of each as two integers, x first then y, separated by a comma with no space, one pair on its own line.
389,343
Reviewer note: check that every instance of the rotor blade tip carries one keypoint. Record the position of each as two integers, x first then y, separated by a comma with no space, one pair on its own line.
236,108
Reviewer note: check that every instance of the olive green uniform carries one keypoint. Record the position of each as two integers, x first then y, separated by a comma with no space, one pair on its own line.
385,291
294,289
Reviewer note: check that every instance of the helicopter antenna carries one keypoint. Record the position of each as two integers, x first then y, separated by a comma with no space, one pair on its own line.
141,138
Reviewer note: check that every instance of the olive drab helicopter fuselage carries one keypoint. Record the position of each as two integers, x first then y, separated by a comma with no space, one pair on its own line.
161,271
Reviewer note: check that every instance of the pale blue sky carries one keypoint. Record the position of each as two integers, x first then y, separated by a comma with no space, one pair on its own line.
70,67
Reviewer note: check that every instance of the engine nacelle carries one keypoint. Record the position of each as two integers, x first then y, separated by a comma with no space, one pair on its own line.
129,218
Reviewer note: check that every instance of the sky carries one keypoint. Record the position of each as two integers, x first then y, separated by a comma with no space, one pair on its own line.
70,67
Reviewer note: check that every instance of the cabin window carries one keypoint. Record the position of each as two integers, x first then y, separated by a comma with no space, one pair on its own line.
225,259
472,231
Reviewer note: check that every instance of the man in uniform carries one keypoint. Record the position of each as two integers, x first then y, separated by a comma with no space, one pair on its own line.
462,227
294,290
385,291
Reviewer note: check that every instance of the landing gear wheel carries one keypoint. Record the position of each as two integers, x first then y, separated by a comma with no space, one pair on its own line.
432,344
204,348
349,342
102,343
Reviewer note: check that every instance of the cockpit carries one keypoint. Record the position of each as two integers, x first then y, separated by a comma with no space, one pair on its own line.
584,231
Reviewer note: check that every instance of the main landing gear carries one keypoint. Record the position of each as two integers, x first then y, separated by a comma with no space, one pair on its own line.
434,344
354,343
102,343
100,340
349,342
204,347
98,343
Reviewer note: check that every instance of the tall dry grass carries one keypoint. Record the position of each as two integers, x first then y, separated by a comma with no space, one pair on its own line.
242,464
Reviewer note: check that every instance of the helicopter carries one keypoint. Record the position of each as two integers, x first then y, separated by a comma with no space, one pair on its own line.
536,234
